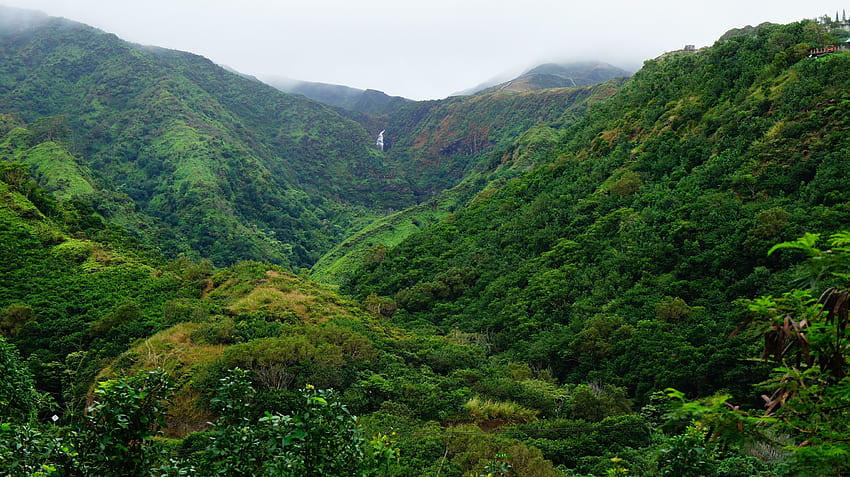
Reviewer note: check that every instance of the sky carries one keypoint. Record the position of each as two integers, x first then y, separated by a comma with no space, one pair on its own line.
421,49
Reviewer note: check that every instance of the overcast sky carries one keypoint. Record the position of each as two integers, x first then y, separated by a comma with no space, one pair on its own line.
421,49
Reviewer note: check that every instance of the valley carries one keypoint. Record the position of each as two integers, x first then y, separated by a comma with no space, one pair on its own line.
623,275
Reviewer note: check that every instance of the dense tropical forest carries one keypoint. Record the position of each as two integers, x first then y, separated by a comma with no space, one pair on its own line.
203,275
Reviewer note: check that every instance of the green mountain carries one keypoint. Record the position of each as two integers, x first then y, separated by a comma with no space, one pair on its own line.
198,160
652,214
435,144
571,255
189,156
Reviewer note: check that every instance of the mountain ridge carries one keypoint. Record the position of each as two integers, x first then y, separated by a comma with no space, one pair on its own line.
552,75
168,135
367,101
168,123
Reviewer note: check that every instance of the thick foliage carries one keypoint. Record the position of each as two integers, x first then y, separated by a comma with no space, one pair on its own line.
808,393
19,400
72,290
117,438
320,437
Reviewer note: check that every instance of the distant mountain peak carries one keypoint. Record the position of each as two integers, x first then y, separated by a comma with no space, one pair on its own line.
369,101
558,75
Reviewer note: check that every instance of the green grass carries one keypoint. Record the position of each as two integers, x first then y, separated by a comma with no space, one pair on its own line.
384,232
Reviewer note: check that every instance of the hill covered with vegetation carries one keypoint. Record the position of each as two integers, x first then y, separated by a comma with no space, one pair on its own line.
621,259
195,159
589,296
81,303
667,195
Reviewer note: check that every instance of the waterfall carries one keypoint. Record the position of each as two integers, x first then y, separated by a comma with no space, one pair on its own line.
380,141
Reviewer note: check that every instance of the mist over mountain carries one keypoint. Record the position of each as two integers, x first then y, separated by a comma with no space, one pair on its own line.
367,101
373,102
13,20
553,75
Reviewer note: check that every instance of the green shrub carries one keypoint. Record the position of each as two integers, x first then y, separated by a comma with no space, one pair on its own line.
480,410
74,250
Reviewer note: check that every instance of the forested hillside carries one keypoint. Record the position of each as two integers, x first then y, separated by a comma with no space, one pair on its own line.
73,290
616,281
622,259
656,210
